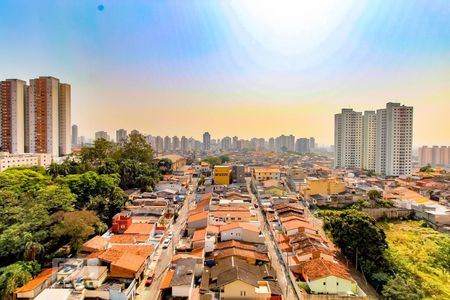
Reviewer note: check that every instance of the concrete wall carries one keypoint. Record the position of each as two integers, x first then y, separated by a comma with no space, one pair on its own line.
388,213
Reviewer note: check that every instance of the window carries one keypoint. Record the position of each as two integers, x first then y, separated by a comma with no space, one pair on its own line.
324,283
243,293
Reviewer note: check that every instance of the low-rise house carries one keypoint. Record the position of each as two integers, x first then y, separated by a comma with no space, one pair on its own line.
95,244
236,279
197,221
246,232
328,277
35,286
296,226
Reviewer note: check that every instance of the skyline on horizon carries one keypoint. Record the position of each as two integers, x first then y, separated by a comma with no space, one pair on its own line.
235,68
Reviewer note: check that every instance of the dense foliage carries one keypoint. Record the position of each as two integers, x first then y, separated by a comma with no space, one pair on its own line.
216,160
43,210
420,259
361,241
407,261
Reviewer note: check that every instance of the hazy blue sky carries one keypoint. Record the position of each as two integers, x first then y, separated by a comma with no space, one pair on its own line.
246,68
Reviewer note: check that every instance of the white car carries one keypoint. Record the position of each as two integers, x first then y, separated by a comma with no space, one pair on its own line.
170,234
166,243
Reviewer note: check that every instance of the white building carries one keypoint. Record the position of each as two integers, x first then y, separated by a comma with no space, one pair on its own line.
102,135
121,135
369,140
12,121
348,139
8,160
65,121
394,140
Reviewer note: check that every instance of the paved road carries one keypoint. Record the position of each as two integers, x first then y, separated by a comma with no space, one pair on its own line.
283,281
163,257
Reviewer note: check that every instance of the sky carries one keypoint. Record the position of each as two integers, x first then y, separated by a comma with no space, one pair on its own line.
245,68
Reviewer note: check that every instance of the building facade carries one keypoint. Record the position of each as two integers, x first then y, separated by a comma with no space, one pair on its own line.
12,122
348,139
369,140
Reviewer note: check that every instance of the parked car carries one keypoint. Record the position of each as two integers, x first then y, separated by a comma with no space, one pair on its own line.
149,280
166,243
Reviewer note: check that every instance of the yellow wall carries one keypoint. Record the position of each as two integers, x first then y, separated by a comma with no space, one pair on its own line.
323,186
222,175
235,290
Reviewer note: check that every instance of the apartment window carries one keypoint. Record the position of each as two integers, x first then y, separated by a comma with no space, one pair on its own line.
324,283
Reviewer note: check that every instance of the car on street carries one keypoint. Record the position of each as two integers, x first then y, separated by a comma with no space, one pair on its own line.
149,280
166,243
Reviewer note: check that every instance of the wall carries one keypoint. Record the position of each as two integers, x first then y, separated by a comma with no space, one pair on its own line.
388,213
333,285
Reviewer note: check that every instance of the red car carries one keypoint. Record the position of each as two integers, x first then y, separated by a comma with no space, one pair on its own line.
149,280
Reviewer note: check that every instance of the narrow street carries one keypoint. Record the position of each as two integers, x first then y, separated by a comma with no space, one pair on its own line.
283,280
162,258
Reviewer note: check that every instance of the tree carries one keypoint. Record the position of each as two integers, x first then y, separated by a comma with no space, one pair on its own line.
374,195
32,250
165,166
427,169
224,159
136,148
361,241
401,288
94,156
75,227
16,275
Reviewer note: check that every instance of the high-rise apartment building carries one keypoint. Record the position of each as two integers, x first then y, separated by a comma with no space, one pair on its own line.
369,131
175,143
347,139
167,143
312,144
303,145
74,135
12,122
226,143
235,141
380,141
206,141
159,144
64,115
102,135
121,135
184,144
43,116
394,132
434,156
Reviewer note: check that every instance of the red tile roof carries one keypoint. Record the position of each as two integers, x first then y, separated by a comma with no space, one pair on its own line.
166,282
320,268
198,217
247,226
140,228
38,280
95,244
199,235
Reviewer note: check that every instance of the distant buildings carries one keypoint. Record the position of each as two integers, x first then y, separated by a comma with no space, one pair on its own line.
121,135
303,145
35,118
226,143
380,142
102,135
434,156
175,143
167,143
74,135
206,141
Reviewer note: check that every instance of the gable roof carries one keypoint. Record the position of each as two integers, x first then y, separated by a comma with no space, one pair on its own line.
243,225
95,244
198,217
320,268
199,235
38,280
140,228
166,282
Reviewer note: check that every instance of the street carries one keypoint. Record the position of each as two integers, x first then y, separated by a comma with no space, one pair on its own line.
162,258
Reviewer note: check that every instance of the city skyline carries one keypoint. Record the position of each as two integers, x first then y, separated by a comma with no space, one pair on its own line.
261,71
